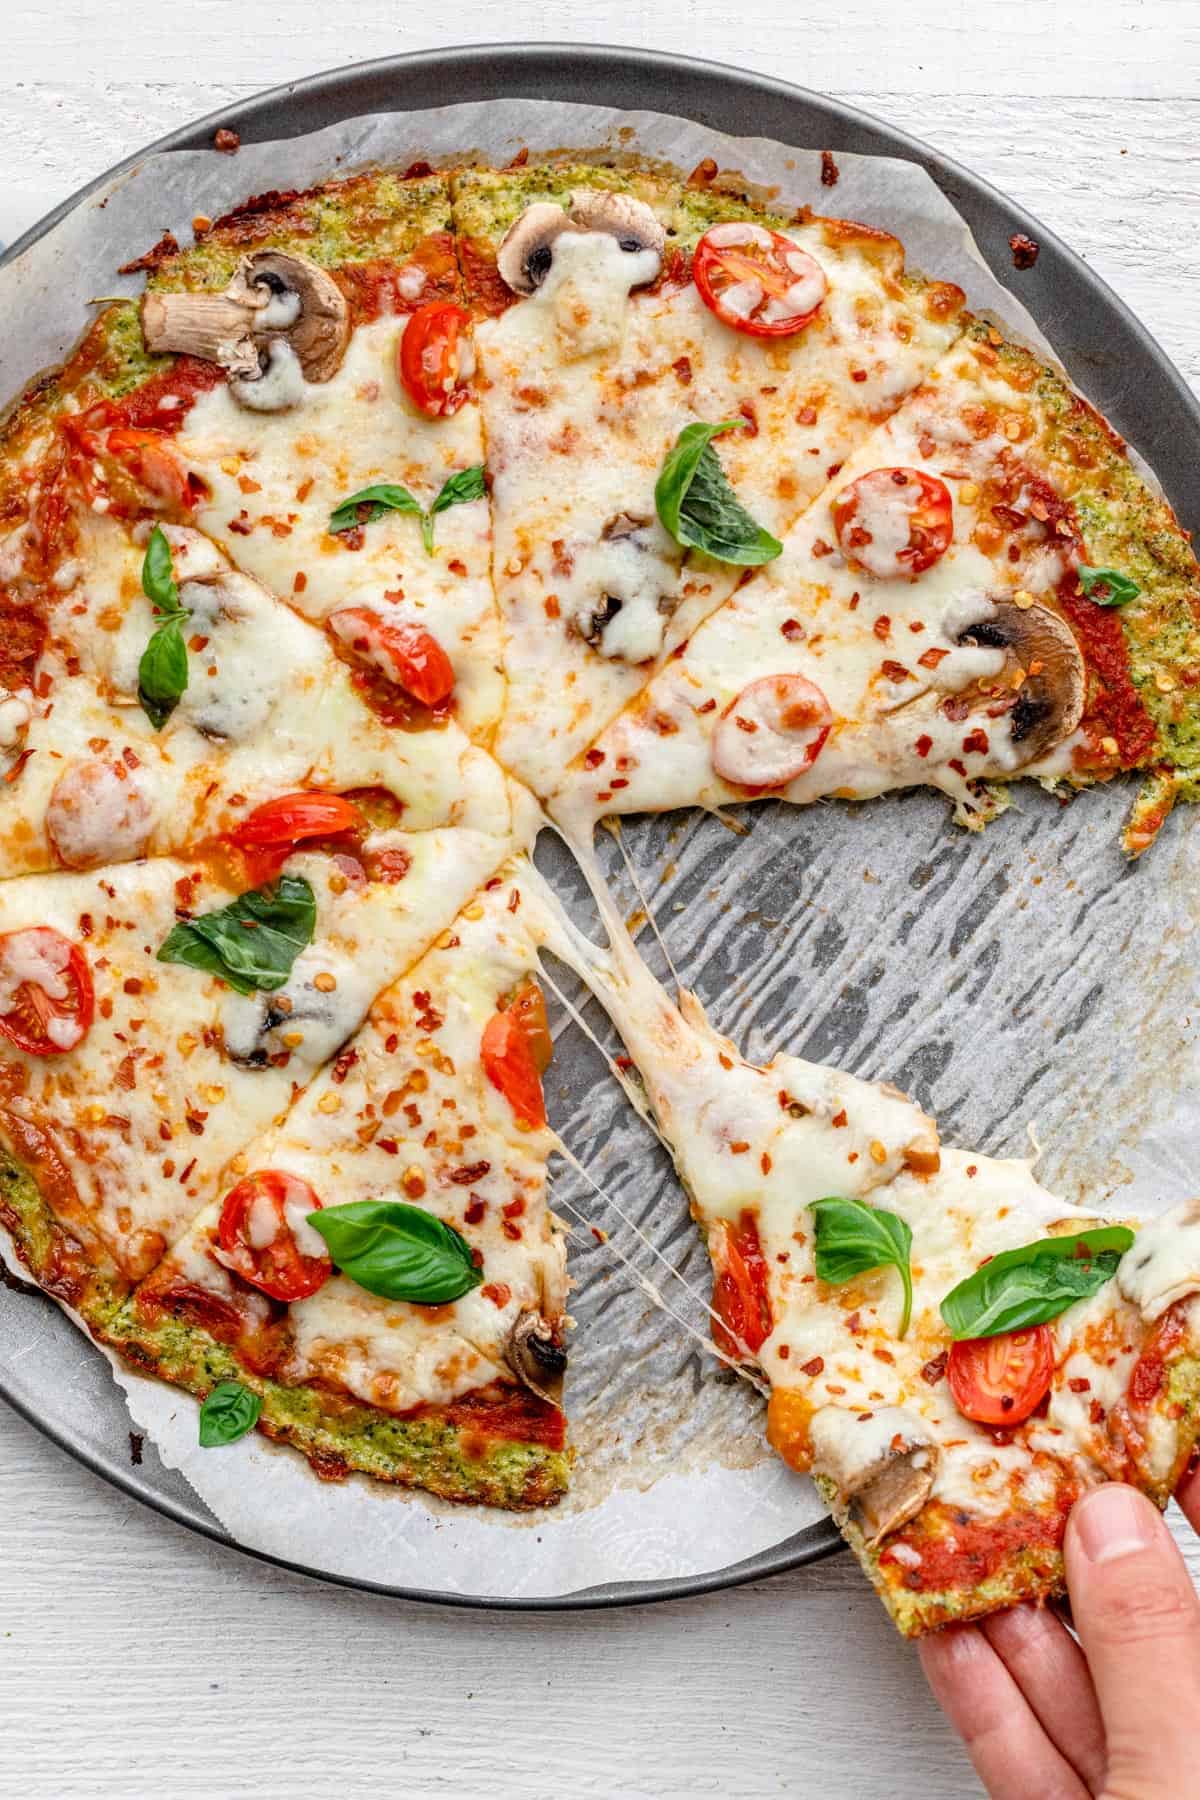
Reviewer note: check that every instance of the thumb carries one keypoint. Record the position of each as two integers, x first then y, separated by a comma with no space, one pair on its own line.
1138,1618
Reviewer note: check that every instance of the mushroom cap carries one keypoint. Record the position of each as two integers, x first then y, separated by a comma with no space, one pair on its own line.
524,256
1040,644
634,224
536,1356
320,333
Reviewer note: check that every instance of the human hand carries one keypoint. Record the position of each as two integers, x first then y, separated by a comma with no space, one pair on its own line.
1043,1719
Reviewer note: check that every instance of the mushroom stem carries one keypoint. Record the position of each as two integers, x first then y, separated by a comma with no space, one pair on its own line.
211,326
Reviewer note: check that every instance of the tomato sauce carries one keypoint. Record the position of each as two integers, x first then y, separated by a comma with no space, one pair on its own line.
740,1294
958,1552
512,1413
1149,1371
161,403
1114,708
22,640
384,285
486,291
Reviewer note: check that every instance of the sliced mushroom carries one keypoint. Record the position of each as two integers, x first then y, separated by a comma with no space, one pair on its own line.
882,1464
626,585
281,321
1042,654
536,1356
527,252
525,256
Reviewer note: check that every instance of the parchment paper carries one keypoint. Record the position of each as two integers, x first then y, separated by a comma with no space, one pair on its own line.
1032,977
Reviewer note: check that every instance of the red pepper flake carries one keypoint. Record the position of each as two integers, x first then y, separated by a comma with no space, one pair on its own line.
498,1292
959,767
896,671
792,629
858,374
882,626
975,743
226,141
839,1119
469,1173
924,744
1025,250
814,1367
829,169
475,1210
764,1162
934,1369
389,1146
1079,1384
1096,1412
821,548
683,370
593,759
807,415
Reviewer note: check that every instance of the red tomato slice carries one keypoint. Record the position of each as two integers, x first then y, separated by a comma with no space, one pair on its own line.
263,1234
272,831
150,460
774,730
1000,1380
894,521
758,281
432,367
740,1289
46,999
405,654
509,1065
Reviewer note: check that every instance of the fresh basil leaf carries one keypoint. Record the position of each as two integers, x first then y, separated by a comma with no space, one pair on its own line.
230,1411
467,484
1034,1283
384,497
163,673
397,1251
158,573
1107,587
163,669
853,1238
251,943
699,508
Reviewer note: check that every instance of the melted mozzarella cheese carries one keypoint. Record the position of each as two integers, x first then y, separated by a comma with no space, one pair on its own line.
412,1116
1163,1267
274,480
884,648
577,433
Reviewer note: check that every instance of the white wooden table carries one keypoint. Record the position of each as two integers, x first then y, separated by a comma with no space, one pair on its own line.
136,1659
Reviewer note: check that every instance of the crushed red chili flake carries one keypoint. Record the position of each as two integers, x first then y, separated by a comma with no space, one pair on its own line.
1095,1412
792,629
829,169
882,626
975,743
475,1210
468,1173
1025,250
895,671
815,1366
934,1369
226,141
1079,1384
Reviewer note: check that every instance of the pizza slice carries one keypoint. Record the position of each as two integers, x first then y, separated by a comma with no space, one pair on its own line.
667,375
155,1016
167,694
987,589
378,1276
952,1352
304,352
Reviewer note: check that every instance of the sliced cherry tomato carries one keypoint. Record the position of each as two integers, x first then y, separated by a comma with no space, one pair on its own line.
774,730
151,461
265,1236
528,1007
740,1294
269,834
509,1065
1000,1380
894,521
46,999
758,281
406,654
433,368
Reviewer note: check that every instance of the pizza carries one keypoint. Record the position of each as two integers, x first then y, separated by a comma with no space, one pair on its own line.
953,1353
396,516
985,590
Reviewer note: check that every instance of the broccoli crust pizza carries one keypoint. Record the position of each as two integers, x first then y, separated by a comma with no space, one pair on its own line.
392,509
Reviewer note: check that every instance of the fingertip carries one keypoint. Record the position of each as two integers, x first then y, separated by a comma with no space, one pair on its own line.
1188,1494
1113,1522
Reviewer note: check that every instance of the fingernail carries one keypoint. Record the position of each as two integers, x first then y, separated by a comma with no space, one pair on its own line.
1112,1522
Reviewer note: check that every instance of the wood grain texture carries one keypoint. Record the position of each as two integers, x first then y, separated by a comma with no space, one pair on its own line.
181,1669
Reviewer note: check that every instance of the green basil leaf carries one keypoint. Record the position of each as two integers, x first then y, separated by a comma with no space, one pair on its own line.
163,673
251,943
1033,1284
1107,587
397,1251
853,1238
384,497
158,573
467,484
230,1411
699,508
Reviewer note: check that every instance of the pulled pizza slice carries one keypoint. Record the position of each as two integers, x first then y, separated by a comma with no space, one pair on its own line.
954,1354
667,375
986,589
156,1016
377,1279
